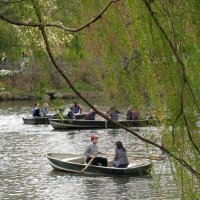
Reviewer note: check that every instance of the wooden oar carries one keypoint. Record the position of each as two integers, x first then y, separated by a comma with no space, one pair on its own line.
149,157
83,170
145,157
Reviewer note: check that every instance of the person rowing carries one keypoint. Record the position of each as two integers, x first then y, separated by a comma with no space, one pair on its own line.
92,152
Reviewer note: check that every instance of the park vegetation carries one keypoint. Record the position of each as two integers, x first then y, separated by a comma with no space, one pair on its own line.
143,53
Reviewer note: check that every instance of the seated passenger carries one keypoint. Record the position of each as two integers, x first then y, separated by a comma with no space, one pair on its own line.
91,115
120,159
36,110
70,114
129,113
77,109
135,115
45,110
113,113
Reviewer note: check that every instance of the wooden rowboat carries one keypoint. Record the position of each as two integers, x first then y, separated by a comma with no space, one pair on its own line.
97,124
76,163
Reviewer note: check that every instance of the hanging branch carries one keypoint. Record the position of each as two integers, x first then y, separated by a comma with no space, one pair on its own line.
184,76
189,134
34,24
45,37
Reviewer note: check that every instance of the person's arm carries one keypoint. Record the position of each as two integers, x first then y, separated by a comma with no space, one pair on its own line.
80,109
87,152
116,155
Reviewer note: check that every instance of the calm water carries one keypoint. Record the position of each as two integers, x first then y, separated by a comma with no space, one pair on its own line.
26,174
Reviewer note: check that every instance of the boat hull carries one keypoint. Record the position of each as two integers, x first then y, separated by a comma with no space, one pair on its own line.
36,120
76,164
94,124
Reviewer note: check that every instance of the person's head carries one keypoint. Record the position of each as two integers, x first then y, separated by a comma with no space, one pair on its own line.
36,104
71,107
130,107
3,54
45,105
75,103
94,138
119,144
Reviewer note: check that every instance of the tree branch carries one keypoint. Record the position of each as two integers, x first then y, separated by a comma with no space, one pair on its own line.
34,24
45,37
42,26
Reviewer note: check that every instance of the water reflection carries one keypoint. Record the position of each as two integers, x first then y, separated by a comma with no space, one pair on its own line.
26,174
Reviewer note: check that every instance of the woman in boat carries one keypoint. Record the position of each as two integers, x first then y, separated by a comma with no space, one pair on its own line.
70,114
92,151
120,159
36,110
77,109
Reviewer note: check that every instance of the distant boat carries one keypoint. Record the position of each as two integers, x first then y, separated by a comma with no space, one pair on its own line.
45,120
76,163
98,124
36,120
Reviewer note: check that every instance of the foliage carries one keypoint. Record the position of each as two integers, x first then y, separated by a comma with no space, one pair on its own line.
144,53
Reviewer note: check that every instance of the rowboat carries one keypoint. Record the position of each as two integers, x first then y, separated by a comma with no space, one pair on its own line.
97,124
36,120
76,163
45,120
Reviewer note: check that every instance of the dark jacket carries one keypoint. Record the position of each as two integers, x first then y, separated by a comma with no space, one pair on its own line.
36,112
120,158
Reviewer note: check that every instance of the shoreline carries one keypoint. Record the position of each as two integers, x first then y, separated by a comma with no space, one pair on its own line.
49,95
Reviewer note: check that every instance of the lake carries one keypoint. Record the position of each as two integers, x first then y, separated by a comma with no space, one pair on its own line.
26,174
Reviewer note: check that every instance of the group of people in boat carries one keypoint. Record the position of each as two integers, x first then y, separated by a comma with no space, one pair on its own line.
92,153
37,112
76,109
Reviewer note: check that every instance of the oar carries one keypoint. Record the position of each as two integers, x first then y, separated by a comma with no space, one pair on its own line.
149,157
145,157
83,170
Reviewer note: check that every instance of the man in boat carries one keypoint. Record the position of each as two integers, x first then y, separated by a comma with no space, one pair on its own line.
92,152
77,109
36,110
120,159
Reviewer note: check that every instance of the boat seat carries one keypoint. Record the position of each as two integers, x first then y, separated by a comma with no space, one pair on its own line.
110,162
79,160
